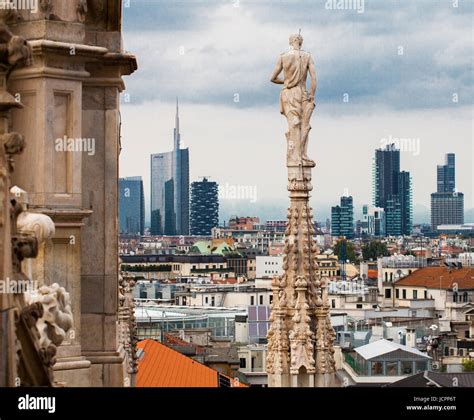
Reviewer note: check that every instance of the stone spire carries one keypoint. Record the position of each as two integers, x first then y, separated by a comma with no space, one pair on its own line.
300,339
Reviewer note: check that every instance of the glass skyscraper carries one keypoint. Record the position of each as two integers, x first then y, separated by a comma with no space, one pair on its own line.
393,191
204,207
170,189
447,205
342,218
131,205
446,174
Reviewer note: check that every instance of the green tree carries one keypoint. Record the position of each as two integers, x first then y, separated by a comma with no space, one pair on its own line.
373,250
468,365
350,250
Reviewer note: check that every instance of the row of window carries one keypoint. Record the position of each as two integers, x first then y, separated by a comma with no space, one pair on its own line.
388,294
214,266
212,300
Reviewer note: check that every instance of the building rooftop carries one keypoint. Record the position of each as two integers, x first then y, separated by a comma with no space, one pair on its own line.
437,379
440,278
160,366
382,347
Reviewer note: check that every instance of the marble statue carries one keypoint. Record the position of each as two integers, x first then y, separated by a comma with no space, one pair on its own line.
300,337
296,103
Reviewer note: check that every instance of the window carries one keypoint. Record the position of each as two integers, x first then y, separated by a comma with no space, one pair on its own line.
397,293
466,334
333,303
388,293
426,294
455,297
407,367
415,294
206,300
271,299
261,299
377,368
391,368
243,362
213,301
404,293
252,300
420,366
359,306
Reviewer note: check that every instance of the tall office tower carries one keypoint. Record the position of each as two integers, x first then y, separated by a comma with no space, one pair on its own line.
342,218
447,205
392,191
131,205
204,207
446,174
406,200
170,188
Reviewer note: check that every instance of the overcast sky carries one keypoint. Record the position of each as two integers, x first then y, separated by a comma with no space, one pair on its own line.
399,69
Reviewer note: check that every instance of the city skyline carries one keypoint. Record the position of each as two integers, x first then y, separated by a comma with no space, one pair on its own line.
386,102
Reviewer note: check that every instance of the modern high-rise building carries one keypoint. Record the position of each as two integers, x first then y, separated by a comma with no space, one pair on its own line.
342,218
406,200
447,205
204,207
170,188
393,191
131,205
446,174
373,221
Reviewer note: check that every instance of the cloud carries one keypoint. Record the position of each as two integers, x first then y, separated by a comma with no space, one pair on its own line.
208,51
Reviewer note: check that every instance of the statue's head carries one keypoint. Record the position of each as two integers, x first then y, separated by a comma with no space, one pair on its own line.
296,41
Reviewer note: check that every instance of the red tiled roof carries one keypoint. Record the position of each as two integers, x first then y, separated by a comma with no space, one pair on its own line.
434,277
160,366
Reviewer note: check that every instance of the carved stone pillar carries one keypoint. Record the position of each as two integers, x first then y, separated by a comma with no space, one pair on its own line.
300,339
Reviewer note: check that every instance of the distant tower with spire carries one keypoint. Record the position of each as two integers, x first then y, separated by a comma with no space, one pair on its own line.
170,188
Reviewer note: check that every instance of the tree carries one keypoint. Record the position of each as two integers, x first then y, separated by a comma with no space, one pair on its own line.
350,250
373,250
468,365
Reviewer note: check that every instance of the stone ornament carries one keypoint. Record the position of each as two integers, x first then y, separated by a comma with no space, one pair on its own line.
296,103
40,225
52,306
14,50
300,338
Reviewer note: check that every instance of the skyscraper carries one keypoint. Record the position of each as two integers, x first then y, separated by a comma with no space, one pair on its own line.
131,205
393,191
204,207
170,188
447,205
446,174
342,218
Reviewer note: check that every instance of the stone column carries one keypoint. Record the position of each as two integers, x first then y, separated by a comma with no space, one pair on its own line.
301,335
